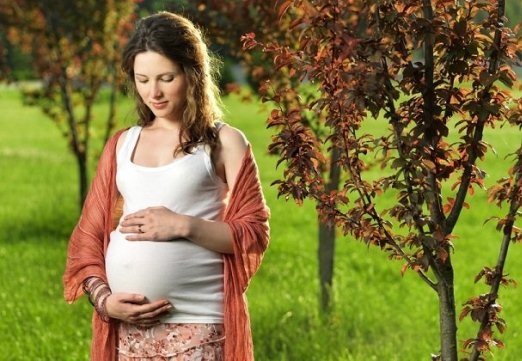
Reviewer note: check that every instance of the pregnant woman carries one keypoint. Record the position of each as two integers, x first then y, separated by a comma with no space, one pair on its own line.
175,223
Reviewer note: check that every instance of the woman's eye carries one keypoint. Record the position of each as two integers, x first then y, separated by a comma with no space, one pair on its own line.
142,81
167,79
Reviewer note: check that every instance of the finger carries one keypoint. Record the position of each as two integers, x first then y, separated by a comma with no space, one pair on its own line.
124,229
157,311
133,221
132,236
144,318
133,216
132,227
156,315
134,298
156,305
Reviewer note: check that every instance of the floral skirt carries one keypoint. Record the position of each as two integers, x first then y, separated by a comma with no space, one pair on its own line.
171,342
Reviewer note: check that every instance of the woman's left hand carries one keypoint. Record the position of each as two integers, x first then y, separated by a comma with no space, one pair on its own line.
155,224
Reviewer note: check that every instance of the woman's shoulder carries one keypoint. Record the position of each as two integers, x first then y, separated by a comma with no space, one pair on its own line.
233,145
232,138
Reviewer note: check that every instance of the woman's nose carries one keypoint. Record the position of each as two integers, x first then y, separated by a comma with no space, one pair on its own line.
156,90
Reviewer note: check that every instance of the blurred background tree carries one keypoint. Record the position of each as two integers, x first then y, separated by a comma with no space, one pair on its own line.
73,51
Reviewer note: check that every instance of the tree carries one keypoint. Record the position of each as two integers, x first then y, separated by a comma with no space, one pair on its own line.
438,72
3,57
75,50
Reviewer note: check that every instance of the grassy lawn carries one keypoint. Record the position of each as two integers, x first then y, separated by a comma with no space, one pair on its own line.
378,314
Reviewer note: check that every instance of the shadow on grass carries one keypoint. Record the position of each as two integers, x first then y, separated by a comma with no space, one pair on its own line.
29,228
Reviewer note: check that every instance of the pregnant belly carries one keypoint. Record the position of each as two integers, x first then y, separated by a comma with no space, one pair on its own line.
162,269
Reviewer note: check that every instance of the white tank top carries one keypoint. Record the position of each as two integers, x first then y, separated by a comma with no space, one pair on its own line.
190,276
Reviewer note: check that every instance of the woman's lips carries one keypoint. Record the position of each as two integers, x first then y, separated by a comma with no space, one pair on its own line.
159,105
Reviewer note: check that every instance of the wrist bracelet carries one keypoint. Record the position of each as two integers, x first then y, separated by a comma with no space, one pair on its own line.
98,291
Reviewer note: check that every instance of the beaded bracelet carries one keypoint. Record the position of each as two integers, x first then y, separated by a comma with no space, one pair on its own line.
98,291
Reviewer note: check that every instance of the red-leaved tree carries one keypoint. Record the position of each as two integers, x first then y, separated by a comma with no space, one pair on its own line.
437,74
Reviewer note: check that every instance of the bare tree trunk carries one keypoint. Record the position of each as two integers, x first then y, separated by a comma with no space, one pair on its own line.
111,118
81,159
113,99
447,314
326,250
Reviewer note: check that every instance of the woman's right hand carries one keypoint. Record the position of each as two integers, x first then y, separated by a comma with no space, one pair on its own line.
136,309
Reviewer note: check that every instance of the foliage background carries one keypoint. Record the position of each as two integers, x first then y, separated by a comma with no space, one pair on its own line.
18,63
379,315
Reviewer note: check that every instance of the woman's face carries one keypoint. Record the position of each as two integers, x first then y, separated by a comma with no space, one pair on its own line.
161,84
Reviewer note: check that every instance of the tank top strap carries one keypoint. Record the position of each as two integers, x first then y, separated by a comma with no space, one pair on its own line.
219,124
205,147
129,143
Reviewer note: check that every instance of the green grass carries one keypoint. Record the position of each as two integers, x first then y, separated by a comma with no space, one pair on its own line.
378,314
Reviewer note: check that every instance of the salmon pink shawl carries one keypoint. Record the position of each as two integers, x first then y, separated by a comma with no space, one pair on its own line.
246,214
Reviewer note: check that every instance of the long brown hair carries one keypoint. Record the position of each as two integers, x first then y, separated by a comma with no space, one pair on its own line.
178,39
